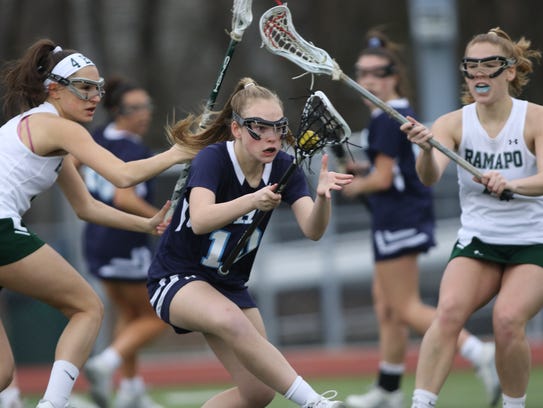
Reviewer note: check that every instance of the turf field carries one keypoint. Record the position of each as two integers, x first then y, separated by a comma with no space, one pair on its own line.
462,390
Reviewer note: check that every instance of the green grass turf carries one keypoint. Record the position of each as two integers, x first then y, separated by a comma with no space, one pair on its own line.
462,390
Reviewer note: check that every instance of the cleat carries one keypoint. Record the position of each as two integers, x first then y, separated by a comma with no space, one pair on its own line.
376,397
325,401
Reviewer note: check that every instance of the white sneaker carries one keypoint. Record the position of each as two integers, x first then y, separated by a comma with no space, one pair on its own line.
376,397
101,381
325,401
47,404
486,371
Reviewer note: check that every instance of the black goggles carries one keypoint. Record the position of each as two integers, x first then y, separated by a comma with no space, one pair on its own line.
258,127
83,88
377,72
492,66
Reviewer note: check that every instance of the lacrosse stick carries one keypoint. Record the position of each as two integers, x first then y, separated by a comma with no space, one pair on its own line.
242,17
280,37
320,126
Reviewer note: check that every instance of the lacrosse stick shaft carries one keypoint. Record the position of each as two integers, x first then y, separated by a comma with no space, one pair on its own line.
506,195
210,104
257,220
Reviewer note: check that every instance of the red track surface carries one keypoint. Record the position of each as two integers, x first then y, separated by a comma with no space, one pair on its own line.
308,362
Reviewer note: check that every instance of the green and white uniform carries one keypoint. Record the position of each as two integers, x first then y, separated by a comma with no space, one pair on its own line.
23,175
515,222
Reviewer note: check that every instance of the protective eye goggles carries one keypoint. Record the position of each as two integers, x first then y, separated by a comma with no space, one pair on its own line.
377,72
258,127
491,66
84,88
134,108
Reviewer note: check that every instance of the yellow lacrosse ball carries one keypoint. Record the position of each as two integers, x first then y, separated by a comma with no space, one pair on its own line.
308,140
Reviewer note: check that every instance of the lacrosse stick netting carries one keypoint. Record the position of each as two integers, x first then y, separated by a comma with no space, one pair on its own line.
281,38
320,126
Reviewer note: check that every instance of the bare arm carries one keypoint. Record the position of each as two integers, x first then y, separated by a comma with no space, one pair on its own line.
53,134
379,179
431,163
126,199
533,185
206,215
91,210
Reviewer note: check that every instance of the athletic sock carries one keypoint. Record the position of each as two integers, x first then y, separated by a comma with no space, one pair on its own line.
390,376
110,358
471,350
61,382
511,402
423,399
300,392
133,385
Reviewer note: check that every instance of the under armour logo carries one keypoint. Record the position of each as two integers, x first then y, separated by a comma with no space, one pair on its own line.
511,141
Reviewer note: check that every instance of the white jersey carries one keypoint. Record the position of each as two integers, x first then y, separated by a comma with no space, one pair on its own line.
23,174
515,222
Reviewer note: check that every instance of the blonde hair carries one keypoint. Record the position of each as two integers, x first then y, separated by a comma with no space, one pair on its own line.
519,50
187,131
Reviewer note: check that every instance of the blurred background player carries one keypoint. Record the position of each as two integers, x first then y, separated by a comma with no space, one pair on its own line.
402,228
120,259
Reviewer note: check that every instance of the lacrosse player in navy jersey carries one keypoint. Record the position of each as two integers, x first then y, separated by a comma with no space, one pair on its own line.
228,182
118,258
402,228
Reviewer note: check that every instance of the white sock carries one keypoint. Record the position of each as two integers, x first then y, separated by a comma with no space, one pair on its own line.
110,357
389,368
423,399
61,382
471,350
511,402
301,392
9,396
133,385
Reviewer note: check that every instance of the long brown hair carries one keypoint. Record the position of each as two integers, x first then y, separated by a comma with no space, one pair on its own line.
23,79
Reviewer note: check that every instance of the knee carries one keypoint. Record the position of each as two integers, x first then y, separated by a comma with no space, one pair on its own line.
232,325
507,325
450,316
6,377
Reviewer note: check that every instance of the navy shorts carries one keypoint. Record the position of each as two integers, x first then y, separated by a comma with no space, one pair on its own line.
390,244
162,292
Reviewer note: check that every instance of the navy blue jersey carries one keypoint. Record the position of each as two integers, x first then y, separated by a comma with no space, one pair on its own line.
102,244
181,251
407,203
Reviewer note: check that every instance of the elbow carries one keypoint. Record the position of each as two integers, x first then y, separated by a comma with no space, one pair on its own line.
199,228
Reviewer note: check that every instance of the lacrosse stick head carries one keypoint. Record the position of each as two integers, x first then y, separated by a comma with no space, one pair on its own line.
280,37
241,19
320,125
